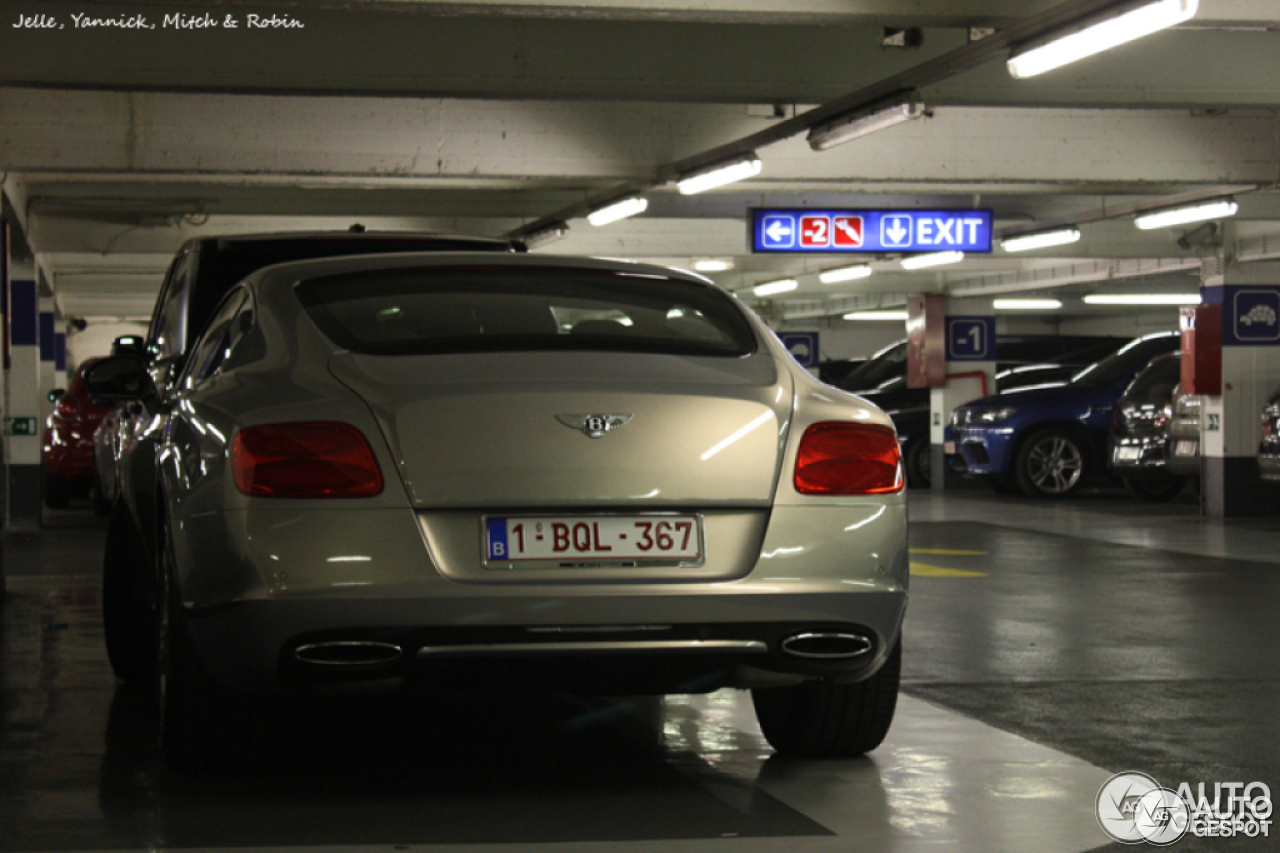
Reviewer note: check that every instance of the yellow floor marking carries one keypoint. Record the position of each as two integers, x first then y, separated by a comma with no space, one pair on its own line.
924,570
949,552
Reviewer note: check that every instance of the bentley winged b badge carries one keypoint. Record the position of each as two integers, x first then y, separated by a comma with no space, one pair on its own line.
594,426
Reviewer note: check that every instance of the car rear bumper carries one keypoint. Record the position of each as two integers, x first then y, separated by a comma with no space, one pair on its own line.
258,587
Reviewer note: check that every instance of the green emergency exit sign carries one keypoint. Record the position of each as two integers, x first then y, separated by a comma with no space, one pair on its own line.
19,426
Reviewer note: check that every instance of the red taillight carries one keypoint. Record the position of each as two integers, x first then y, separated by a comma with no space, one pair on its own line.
305,460
68,408
848,459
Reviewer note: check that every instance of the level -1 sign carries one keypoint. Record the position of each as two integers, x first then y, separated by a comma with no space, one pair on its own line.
793,230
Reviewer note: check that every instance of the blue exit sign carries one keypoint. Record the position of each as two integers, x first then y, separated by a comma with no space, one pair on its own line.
832,231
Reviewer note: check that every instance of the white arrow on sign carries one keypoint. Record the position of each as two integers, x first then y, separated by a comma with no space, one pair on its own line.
777,230
895,232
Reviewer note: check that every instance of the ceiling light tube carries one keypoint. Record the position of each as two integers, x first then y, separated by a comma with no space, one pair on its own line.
618,210
1026,304
1041,240
719,174
548,234
1100,35
932,259
876,315
1143,299
712,265
1187,213
770,288
850,126
844,274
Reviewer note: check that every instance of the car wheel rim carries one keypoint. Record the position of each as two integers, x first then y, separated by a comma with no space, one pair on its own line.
1055,465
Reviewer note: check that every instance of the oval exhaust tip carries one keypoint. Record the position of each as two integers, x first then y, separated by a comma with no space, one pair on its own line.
349,653
826,645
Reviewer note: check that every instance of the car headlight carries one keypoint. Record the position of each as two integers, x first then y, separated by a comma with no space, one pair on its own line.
960,416
994,416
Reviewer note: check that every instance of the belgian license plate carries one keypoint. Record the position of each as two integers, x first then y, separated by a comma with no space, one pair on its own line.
949,448
1128,454
1186,448
595,538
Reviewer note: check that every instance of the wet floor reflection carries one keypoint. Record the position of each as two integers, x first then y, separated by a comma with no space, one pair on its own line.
81,770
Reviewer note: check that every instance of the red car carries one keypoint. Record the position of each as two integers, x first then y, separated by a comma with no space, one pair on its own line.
68,443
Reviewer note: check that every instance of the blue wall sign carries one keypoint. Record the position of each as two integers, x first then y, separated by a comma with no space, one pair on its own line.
803,346
971,339
832,231
1250,313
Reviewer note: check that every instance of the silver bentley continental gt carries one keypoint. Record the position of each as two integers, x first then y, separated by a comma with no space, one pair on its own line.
476,471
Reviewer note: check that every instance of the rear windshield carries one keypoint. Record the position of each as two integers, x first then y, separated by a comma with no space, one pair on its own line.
225,262
500,309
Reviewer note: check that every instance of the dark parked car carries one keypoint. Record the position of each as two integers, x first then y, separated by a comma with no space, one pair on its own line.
67,442
1046,441
1269,448
1139,444
201,275
912,423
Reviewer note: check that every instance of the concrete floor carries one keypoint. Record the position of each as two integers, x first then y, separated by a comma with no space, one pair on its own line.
1048,645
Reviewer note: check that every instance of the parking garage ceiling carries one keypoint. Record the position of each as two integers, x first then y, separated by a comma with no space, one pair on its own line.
488,117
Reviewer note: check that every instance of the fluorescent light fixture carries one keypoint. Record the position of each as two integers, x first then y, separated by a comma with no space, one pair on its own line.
1041,240
932,259
769,288
618,210
1101,35
844,274
712,265
876,315
1026,304
719,174
1187,213
867,120
549,234
1143,299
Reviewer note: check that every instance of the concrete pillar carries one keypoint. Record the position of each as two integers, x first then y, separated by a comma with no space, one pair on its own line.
1230,424
970,371
22,402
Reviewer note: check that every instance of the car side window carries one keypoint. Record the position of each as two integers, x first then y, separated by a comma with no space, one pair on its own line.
214,343
163,338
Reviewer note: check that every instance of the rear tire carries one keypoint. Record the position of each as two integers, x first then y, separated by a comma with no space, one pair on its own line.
57,492
204,727
919,463
1154,490
830,720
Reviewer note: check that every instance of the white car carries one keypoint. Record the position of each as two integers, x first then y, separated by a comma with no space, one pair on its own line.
473,470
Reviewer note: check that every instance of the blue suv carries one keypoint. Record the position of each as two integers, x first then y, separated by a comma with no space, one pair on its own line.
1046,440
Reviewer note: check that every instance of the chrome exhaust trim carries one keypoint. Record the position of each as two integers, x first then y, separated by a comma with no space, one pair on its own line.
348,653
596,647
820,645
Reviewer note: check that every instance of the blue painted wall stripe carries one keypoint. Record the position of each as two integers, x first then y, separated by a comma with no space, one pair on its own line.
26,308
46,336
59,351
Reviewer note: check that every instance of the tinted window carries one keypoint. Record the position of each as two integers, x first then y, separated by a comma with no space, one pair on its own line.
164,338
1155,384
890,362
224,263
214,345
446,310
1122,365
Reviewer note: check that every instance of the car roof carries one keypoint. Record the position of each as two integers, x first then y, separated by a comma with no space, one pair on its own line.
298,270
